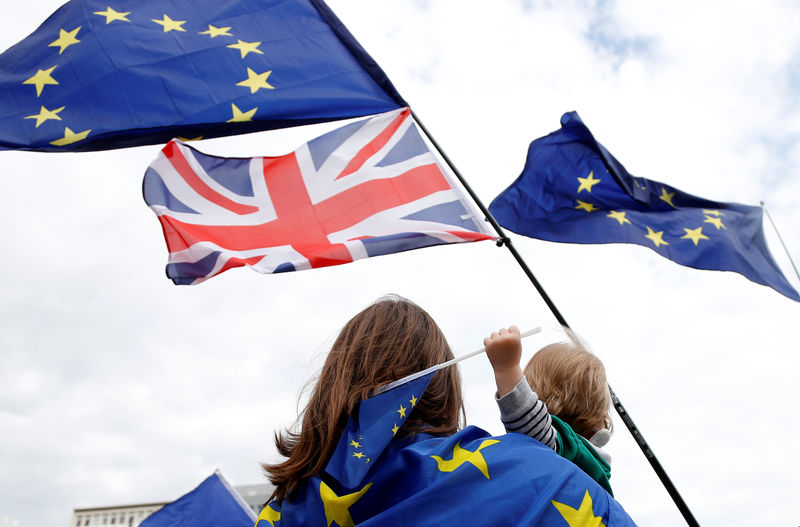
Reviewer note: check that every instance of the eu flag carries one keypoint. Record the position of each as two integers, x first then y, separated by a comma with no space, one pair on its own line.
214,503
102,74
573,190
470,478
370,429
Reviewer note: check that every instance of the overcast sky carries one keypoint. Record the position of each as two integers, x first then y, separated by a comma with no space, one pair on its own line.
118,387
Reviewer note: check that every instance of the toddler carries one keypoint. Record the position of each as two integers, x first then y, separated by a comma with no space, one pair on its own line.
563,379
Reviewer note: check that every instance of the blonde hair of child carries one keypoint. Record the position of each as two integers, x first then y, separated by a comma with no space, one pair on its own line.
571,381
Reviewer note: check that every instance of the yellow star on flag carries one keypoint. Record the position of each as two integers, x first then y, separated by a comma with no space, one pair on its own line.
619,216
588,207
65,39
112,15
695,235
70,137
246,47
359,455
395,428
401,411
716,222
41,79
269,515
45,115
256,81
355,444
337,508
713,212
214,31
240,116
666,197
462,455
413,400
187,139
581,517
587,182
170,25
656,237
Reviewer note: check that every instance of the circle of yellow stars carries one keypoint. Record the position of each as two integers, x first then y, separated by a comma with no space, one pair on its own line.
68,37
694,235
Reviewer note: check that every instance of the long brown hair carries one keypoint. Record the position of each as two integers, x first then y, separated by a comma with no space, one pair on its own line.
386,341
571,381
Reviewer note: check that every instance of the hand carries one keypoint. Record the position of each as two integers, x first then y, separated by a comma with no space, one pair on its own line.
504,349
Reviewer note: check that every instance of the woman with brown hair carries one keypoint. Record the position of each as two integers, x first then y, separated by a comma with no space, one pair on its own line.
387,341
431,472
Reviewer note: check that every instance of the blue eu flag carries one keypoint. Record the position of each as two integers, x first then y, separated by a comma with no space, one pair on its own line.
214,503
470,478
370,428
573,190
102,74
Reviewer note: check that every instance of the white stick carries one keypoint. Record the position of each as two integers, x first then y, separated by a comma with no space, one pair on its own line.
413,376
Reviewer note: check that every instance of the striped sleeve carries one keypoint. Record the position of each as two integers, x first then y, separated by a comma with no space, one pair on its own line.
522,412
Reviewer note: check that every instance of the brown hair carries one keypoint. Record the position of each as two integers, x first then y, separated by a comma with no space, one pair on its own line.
386,341
572,383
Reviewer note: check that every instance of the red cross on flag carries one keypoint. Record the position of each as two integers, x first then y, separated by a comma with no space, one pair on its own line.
369,188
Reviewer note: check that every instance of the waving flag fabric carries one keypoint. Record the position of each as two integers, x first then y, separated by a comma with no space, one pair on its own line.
470,478
101,74
369,188
214,503
370,429
573,190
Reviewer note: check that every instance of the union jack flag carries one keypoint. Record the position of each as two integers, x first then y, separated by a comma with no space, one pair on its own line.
369,188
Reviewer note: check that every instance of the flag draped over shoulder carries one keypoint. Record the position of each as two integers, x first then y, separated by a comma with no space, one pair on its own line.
102,74
573,190
469,478
370,429
214,503
366,189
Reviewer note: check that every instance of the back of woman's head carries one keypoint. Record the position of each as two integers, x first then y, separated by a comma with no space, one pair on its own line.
386,341
572,383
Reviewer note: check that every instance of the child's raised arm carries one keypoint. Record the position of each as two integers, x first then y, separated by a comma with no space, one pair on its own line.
504,350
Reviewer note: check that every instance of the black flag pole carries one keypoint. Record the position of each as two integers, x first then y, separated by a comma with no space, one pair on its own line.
623,414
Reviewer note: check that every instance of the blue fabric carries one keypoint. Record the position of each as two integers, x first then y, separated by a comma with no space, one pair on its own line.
370,429
470,478
573,190
211,504
94,77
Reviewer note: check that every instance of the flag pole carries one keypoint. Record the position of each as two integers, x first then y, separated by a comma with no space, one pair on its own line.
626,418
780,238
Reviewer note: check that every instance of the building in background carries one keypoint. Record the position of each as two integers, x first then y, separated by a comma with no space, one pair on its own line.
133,515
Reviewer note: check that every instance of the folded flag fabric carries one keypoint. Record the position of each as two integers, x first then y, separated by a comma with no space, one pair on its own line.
470,478
573,190
369,188
214,503
100,74
370,428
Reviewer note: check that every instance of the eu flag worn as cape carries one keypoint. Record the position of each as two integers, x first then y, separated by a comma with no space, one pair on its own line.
470,478
98,75
573,190
370,428
214,503
366,189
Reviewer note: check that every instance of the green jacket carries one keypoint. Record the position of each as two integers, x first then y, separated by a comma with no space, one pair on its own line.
580,451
